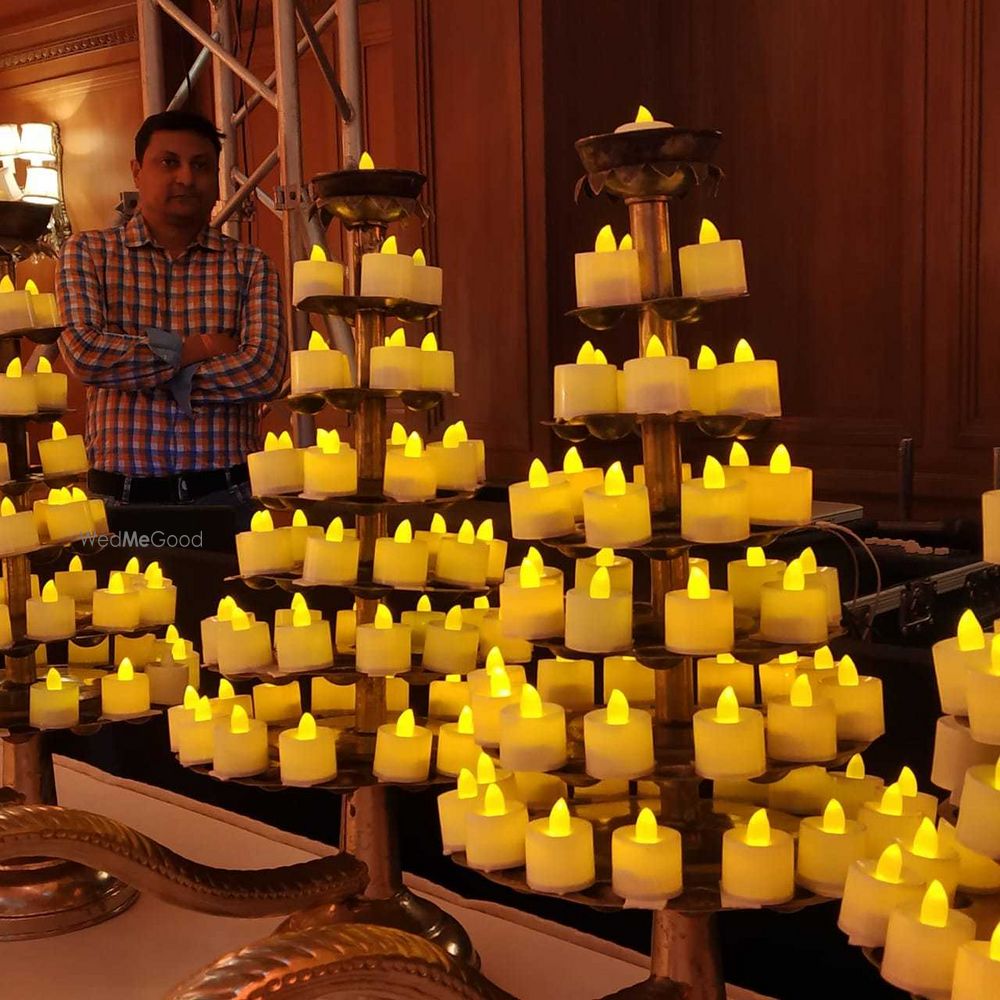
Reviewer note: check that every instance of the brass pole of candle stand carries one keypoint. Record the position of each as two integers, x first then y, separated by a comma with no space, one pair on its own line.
685,949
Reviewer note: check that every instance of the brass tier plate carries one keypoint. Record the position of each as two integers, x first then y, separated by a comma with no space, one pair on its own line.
348,306
38,417
615,426
36,334
350,398
674,308
325,509
360,588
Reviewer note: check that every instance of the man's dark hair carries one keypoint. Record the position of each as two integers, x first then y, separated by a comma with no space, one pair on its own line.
176,121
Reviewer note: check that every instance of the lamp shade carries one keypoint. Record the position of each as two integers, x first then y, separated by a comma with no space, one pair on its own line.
9,191
36,144
10,141
42,185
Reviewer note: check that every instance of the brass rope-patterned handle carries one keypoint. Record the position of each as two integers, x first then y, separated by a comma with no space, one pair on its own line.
139,861
339,962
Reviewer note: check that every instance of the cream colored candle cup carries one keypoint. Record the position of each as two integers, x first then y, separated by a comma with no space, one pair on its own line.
383,647
887,820
394,365
245,646
418,621
729,740
619,570
703,383
158,599
698,620
716,673
758,864
453,808
487,705
495,832
462,559
76,582
979,818
616,514
455,463
51,616
451,646
857,702
447,698
169,678
400,561
976,872
532,605
779,493
214,624
578,478
409,474
657,383
747,385
456,744
277,702
196,737
18,530
307,754
828,846
318,367
316,276
826,577
303,645
746,576
227,699
262,549
17,391
803,727
569,683
67,515
955,751
345,629
539,791
540,507
953,659
437,367
54,703
178,716
326,696
983,697
598,620
804,791
646,863
492,633
559,852
922,942
333,558
712,509
240,746
618,740
712,267
498,551
140,649
874,888
388,273
330,467
608,276
792,610
50,387
778,675
124,693
278,468
927,859
62,454
532,734
636,681
589,386
977,969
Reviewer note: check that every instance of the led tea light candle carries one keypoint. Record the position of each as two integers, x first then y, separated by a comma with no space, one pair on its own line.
804,791
922,942
497,560
278,468
617,512
157,599
977,969
456,746
426,284
240,746
211,626
326,696
852,787
463,559
388,273
76,654
716,673
432,537
169,678
18,533
983,698
979,818
67,514
124,693
479,444
646,867
857,702
409,474
196,736
618,740
976,872
318,367
559,852
532,605
50,386
747,385
955,751
729,740
116,607
400,561
619,569
245,646
495,832
643,120
792,611
952,660
780,493
332,558
15,307
826,577
823,665
874,889
300,532
451,646
703,382
315,276
486,706
492,634
927,859
923,803
778,675
802,727
569,683
437,367
698,620
17,393
887,820
656,382
330,467
178,716
397,437
828,846
402,751
307,754
76,582
532,734
180,655
51,616
579,478
262,549
43,306
305,644
548,574
590,385
712,267
453,808
746,576
541,507
454,461
54,703
636,681
447,698
140,649
418,620
598,619
610,275
383,646
394,364
713,509
277,702
62,454
758,864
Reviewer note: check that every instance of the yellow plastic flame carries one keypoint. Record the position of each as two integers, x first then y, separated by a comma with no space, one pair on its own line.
317,342
585,356
262,521
58,431
738,456
531,703
655,348
154,576
605,242
430,342
698,587
414,447
383,617
438,525
203,710
559,821
226,689
30,287
528,575
713,476
453,619
787,659
801,694
572,462
892,801
743,352
925,840
460,424
781,461
708,233
823,658
907,782
600,584
794,578
727,708
403,532
465,723
7,507
494,660
116,585
493,802
625,243
397,436
239,721
53,682
14,369
190,697
389,246
453,678
467,787
466,533
283,441
484,533
126,671
225,608
538,476
996,775
614,481
44,366
725,658
420,260
49,592
397,338
178,651
6,285
317,252
643,115
855,767
365,161
76,565
756,557
486,771
605,557
329,444
995,944
618,710
706,359
970,633
500,683
646,830
452,437
599,357
934,906
306,729
301,617
834,820
758,830
536,557
77,494
240,620
405,724
847,673
423,603
335,530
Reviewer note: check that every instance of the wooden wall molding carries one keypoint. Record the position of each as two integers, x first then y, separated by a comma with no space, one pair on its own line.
121,35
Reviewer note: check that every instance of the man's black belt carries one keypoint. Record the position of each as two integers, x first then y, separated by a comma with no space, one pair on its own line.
183,487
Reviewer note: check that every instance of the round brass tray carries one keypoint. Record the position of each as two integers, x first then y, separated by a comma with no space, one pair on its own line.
348,306
326,508
676,308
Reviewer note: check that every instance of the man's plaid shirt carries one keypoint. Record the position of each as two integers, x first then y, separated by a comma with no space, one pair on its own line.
116,284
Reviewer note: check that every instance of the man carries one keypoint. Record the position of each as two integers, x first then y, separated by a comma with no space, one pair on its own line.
175,329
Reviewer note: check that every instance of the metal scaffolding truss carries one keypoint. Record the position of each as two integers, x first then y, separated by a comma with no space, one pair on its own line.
300,226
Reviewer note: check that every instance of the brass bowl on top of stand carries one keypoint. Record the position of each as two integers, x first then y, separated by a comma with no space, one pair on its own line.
363,198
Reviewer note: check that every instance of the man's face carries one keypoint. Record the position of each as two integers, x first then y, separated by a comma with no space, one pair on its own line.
177,180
